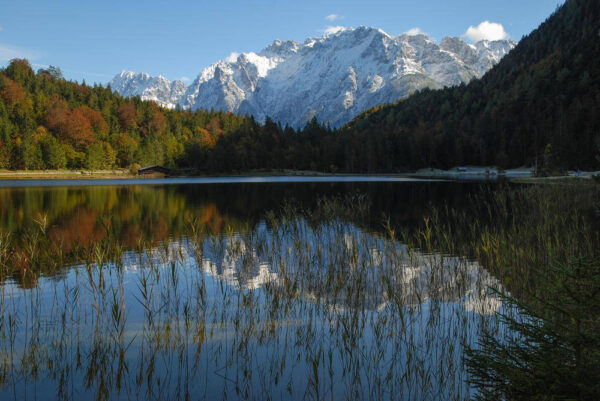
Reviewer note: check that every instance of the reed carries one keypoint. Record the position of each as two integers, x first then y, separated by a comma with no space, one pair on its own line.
306,304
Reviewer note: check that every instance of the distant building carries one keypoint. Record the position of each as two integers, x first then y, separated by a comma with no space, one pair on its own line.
153,170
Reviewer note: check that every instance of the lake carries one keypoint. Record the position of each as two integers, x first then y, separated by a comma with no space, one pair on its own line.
252,288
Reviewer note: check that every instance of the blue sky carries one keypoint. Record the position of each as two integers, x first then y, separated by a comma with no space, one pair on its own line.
96,39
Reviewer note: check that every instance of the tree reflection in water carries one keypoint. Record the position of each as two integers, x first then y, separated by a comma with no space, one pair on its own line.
140,293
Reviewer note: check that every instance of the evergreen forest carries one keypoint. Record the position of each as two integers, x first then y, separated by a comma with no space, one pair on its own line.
539,106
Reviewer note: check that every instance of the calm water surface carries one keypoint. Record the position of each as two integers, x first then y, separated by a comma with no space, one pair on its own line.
236,290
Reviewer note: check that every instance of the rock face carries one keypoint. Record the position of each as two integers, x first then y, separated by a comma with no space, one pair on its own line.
332,78
158,89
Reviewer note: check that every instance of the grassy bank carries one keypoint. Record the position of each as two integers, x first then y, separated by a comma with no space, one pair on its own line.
125,173
64,174
471,173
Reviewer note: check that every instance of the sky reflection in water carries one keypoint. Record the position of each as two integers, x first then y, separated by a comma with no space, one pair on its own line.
277,307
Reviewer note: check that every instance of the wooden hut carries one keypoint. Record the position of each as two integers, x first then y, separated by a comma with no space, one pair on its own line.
154,170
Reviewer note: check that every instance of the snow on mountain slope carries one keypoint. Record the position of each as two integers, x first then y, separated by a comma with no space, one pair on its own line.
332,78
159,89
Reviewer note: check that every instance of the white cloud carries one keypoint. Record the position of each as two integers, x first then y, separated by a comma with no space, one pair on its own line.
185,79
415,31
333,29
232,57
486,31
8,52
332,17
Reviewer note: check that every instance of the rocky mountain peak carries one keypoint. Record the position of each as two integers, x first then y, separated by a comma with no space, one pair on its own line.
332,78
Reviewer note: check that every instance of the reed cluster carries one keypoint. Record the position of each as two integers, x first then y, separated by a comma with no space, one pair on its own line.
308,304
291,309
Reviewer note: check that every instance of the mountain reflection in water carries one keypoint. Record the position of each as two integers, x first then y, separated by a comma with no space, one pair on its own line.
204,295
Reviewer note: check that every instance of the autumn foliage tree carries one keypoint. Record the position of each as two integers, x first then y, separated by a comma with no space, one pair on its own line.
127,116
99,126
71,126
77,130
11,92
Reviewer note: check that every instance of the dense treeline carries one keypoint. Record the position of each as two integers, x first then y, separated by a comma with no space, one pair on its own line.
540,103
48,122
539,106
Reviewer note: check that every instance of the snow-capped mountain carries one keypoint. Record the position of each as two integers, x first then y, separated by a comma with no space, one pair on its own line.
332,78
158,89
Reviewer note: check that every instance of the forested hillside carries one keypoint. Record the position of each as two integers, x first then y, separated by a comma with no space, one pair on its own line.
47,122
541,102
539,106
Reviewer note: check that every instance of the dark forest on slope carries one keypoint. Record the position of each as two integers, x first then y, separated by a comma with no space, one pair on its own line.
541,101
540,104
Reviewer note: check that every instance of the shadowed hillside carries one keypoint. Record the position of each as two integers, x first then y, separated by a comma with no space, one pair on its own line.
541,102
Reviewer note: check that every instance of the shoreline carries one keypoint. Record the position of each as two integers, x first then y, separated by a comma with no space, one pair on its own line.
519,175
65,174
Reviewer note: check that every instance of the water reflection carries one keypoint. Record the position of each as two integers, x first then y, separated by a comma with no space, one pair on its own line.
421,276
78,218
219,299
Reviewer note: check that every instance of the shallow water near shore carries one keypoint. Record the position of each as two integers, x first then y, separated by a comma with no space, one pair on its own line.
206,180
